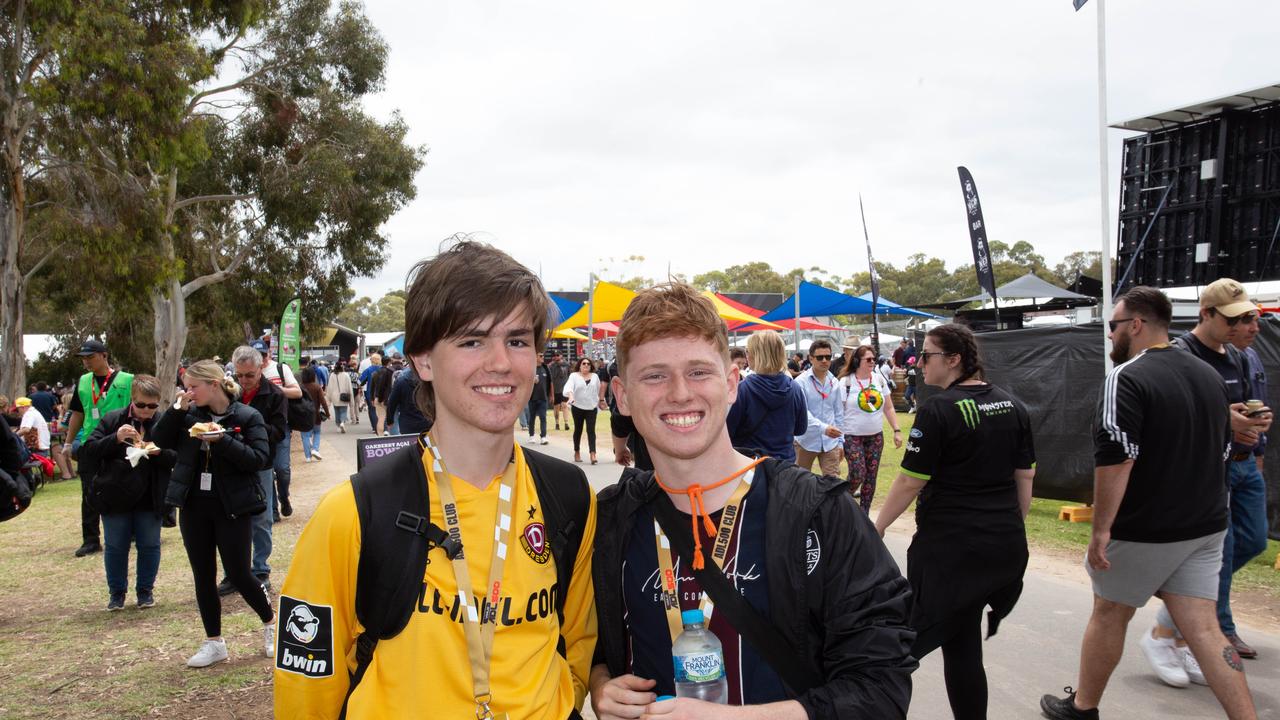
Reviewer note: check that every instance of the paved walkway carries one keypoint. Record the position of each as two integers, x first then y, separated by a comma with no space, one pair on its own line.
1038,647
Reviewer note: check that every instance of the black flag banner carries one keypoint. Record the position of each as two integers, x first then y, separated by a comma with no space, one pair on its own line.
977,234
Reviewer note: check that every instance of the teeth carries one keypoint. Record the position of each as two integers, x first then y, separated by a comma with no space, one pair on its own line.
682,420
496,389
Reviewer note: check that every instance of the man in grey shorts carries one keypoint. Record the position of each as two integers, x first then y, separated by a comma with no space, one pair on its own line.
1160,506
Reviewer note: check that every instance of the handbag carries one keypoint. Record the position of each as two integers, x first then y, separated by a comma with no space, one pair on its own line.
344,397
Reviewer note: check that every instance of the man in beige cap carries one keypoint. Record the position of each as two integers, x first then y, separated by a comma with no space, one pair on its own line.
1226,312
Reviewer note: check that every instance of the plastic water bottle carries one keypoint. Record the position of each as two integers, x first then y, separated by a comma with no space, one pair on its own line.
699,662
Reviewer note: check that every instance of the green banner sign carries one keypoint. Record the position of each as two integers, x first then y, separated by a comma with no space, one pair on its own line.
290,344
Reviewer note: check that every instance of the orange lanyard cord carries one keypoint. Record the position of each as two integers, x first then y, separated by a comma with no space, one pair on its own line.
698,508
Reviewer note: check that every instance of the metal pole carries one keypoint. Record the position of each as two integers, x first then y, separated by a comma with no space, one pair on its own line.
1104,198
797,297
591,308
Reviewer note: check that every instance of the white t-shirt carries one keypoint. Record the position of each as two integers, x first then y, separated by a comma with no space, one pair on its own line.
863,404
269,372
33,419
583,394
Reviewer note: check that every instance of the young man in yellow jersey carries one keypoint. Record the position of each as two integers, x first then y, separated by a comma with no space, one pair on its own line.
495,627
820,628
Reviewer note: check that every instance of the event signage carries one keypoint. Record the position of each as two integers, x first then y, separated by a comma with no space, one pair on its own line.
376,448
977,234
290,350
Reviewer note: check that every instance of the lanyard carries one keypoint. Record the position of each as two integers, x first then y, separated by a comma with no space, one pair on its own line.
94,393
818,388
724,532
479,630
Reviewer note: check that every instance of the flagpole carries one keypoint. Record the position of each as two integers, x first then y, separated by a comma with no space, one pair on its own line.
875,290
797,296
1104,198
591,307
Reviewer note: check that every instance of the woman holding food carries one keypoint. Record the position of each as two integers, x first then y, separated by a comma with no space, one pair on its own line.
221,445
130,475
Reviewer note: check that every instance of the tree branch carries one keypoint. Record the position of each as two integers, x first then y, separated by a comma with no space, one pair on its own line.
187,202
219,275
40,263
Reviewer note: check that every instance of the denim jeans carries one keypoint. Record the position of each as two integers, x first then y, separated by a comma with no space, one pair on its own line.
311,441
340,414
1246,531
262,525
537,411
373,415
121,529
281,465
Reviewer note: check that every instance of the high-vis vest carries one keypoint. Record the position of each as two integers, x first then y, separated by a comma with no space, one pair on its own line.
118,396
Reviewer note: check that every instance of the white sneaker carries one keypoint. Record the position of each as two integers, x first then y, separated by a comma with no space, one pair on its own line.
1165,660
1192,666
342,427
316,454
306,459
269,640
543,441
211,651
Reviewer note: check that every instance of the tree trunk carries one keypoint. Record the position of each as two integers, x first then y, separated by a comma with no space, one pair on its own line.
13,364
170,309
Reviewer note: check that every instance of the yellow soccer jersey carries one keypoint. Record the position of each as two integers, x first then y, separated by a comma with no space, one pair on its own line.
425,672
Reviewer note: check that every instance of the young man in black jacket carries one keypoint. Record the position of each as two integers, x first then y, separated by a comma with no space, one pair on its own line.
269,400
806,561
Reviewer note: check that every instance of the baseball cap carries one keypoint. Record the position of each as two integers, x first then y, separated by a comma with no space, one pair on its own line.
260,346
90,347
1228,297
22,402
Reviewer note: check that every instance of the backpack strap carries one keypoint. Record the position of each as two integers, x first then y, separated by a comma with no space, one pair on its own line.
566,499
396,536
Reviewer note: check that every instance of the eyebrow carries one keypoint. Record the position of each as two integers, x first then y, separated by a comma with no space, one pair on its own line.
667,366
476,332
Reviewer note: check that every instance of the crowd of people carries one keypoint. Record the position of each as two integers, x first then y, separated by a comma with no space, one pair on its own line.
561,594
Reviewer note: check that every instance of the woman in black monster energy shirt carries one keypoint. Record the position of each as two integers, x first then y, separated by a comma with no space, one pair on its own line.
970,460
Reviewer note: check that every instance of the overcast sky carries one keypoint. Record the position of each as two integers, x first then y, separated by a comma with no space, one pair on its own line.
710,133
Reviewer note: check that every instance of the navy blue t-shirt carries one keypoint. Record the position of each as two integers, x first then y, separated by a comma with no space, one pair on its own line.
45,402
751,680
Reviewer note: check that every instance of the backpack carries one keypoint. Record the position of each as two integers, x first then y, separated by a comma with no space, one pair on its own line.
301,412
15,494
397,534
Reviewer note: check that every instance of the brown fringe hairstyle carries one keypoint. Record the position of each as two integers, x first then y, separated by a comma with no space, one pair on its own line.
458,289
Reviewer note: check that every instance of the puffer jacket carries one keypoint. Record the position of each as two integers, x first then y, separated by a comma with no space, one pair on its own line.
114,482
234,460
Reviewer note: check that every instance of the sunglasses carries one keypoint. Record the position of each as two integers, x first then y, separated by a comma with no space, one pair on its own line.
868,359
146,406
822,358
1113,324
925,355
1246,318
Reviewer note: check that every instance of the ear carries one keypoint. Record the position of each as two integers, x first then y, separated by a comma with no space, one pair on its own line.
732,379
620,394
422,364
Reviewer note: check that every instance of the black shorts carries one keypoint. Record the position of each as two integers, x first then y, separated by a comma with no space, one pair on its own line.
561,399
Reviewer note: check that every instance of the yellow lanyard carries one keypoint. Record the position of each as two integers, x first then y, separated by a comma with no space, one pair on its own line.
667,575
479,627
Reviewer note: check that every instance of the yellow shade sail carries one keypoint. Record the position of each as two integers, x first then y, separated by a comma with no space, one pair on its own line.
611,302
568,334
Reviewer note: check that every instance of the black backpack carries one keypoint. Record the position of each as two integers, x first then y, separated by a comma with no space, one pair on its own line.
397,534
301,412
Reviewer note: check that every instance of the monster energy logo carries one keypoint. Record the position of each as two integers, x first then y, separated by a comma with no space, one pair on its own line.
969,411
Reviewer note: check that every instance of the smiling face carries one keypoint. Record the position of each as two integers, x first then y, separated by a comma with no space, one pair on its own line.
677,390
484,376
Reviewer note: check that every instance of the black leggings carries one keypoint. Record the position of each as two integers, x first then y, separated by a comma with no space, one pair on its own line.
206,531
962,669
580,418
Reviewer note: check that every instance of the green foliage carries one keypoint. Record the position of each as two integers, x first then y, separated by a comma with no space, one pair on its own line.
365,315
750,277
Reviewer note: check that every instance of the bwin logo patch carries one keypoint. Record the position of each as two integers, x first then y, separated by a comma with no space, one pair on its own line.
969,412
304,644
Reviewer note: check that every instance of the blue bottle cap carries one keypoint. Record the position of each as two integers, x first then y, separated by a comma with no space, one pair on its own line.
665,697
691,617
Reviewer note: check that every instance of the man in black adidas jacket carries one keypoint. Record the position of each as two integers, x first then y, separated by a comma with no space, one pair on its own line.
821,629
